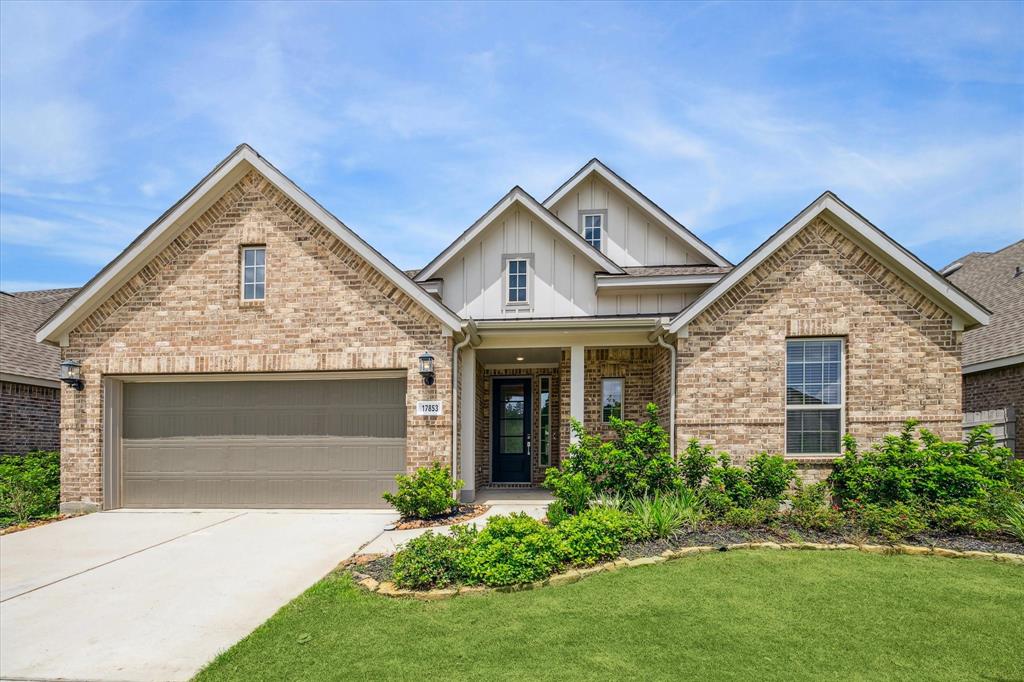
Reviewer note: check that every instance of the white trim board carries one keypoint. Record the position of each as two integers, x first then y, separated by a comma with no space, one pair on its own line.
634,195
518,196
649,281
880,245
993,364
192,205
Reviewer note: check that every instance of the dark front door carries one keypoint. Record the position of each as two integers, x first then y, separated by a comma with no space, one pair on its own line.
510,431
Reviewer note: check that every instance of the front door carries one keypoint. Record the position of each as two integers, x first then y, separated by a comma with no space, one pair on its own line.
510,431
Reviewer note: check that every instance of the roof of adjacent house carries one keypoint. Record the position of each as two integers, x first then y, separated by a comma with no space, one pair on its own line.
20,314
996,280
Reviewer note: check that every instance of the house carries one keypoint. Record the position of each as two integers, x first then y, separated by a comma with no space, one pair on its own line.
993,355
29,390
250,349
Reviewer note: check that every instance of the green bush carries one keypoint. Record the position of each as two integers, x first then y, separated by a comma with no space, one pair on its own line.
770,476
811,510
716,503
29,486
926,471
731,481
512,549
1013,519
665,514
894,522
759,513
556,513
570,488
695,463
636,463
595,535
433,560
427,493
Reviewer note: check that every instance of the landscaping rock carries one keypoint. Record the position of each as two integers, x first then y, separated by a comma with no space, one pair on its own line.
971,554
948,553
389,589
687,551
584,572
765,545
914,550
1009,558
369,584
739,545
436,595
875,549
470,590
622,563
647,561
564,578
845,545
791,545
611,566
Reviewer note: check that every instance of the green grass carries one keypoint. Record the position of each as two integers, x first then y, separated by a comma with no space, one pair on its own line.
727,616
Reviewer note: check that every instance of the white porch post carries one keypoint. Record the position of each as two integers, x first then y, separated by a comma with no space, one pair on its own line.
575,386
467,424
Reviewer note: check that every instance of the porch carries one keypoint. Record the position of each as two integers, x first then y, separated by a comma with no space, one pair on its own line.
518,400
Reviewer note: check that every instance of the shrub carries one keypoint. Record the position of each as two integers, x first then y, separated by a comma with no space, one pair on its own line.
770,476
29,486
557,514
429,492
609,501
570,488
1013,519
811,510
665,514
433,560
595,535
759,513
893,522
960,518
715,503
636,463
926,471
512,549
732,481
695,463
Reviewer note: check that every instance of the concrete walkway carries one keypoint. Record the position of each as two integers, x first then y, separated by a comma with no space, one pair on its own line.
151,595
532,501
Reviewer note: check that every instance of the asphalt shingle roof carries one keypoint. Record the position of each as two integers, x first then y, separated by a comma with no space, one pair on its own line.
991,279
655,270
21,313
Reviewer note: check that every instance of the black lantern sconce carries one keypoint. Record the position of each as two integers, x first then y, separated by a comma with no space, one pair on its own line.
71,374
427,368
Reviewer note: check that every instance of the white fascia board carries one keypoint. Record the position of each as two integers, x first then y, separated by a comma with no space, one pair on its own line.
527,324
646,282
612,178
31,381
934,285
157,235
519,196
993,364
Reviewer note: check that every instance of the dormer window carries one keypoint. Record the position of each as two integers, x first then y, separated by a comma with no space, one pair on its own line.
517,281
254,273
593,229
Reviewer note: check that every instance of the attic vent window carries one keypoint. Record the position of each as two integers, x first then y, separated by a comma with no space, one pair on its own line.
593,226
254,273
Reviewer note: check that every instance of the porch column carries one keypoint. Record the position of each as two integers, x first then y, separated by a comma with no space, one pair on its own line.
467,424
575,387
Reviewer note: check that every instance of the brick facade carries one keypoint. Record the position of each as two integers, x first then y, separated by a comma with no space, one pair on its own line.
326,309
994,390
902,353
29,418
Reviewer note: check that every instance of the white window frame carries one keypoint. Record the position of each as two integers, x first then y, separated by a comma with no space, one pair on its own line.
842,397
506,280
603,215
622,396
255,268
542,443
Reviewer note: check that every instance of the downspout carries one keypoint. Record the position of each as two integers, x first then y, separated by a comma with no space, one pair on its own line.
466,330
672,392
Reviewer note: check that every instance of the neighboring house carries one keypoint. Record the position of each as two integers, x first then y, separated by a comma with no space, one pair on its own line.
249,349
993,356
29,390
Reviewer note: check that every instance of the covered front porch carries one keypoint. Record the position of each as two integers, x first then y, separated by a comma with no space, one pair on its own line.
521,387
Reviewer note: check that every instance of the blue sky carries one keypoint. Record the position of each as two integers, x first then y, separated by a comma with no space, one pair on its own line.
409,121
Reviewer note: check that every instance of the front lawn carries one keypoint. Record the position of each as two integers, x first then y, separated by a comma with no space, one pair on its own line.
736,615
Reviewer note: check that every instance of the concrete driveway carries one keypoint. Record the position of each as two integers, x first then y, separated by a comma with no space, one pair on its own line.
155,595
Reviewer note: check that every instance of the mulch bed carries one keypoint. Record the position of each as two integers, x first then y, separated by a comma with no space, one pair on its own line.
7,530
464,512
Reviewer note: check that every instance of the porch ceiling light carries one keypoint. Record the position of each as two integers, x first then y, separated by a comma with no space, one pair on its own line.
519,358
71,374
427,368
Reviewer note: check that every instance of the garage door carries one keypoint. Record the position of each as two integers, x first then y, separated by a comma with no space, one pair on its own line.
314,443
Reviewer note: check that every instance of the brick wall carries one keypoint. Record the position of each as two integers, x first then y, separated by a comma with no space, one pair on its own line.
29,418
902,354
994,390
326,309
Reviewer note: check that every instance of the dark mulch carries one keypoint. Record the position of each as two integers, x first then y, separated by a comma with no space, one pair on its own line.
7,530
379,569
721,535
464,512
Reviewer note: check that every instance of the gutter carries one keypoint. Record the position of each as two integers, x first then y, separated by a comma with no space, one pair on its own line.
672,391
469,331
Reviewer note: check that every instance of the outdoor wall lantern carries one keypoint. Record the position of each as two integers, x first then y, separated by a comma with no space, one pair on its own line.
71,374
427,368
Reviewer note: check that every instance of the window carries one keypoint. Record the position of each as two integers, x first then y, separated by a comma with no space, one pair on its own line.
592,227
814,396
611,399
254,273
516,281
545,421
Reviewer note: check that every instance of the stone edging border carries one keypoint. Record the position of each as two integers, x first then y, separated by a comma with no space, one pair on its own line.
389,589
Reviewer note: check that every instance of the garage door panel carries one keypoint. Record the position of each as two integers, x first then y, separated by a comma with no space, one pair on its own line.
262,443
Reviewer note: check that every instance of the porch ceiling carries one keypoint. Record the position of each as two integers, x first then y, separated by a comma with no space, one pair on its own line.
510,356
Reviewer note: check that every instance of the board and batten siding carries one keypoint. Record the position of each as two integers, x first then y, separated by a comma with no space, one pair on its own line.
665,302
633,236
